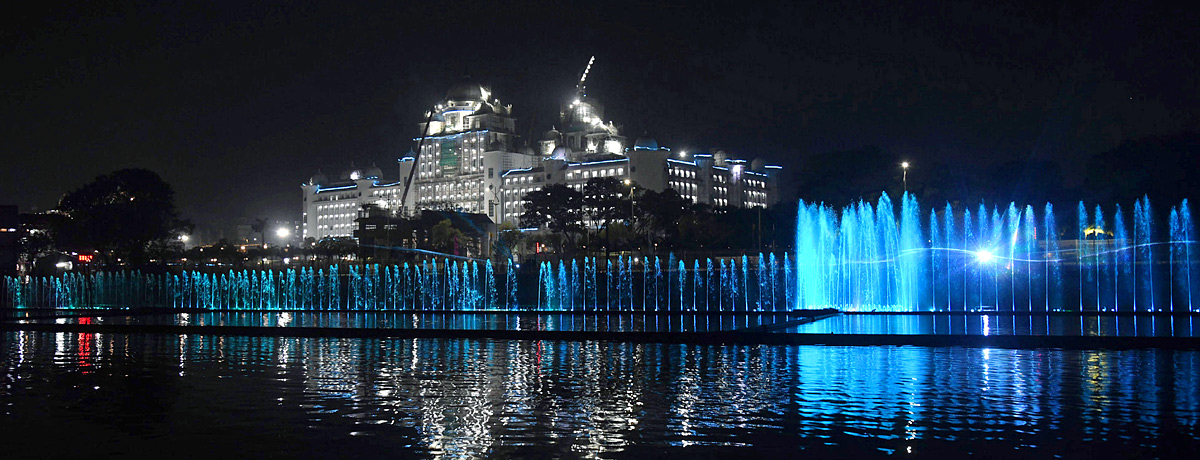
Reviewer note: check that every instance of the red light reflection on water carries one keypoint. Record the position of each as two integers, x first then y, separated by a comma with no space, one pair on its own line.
86,350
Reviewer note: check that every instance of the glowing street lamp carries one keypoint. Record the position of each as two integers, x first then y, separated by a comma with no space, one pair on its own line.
283,233
904,165
184,238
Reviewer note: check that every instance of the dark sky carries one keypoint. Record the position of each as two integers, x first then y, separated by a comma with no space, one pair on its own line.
235,105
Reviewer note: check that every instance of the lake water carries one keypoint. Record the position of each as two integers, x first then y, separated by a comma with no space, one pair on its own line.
1075,325
204,396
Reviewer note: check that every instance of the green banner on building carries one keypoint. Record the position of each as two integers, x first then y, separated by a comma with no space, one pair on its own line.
449,160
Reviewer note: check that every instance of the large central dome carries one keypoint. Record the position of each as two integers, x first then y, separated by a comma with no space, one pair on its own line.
468,91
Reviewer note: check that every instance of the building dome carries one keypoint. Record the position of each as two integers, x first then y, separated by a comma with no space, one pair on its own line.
551,135
373,171
645,143
527,150
560,153
484,109
468,91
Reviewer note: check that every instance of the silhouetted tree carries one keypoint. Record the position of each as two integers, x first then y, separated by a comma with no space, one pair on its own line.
558,208
120,214
660,213
605,200
444,237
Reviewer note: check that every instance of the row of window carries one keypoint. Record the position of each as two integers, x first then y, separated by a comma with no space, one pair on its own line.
326,207
683,172
590,173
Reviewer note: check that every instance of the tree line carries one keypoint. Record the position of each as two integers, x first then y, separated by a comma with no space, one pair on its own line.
607,215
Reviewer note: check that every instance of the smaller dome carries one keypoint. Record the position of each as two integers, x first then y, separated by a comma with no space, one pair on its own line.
645,143
527,150
551,135
484,109
560,153
373,171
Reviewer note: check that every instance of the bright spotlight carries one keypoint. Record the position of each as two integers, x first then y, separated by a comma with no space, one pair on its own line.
904,165
984,256
184,238
283,232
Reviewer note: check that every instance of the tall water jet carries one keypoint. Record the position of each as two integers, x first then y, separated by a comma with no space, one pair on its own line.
709,281
1053,262
788,287
949,237
1181,262
937,274
761,302
510,285
1187,236
682,276
1144,256
745,283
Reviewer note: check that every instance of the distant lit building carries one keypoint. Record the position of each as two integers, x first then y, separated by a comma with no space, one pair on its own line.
467,144
707,178
469,161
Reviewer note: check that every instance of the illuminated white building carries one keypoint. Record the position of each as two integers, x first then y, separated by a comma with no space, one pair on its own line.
467,143
707,178
468,161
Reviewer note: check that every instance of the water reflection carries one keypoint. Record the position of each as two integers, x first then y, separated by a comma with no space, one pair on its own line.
472,398
614,322
1090,325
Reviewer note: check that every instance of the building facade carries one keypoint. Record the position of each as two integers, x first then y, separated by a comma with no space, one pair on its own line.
467,159
467,143
707,178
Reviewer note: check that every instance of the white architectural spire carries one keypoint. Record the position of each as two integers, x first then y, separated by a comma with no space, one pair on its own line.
580,88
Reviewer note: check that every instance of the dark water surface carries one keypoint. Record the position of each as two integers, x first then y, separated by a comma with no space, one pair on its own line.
203,396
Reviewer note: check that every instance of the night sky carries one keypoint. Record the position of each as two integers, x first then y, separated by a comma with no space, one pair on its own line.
235,105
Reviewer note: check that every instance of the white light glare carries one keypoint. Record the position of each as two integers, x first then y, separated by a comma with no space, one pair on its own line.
283,233
984,256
